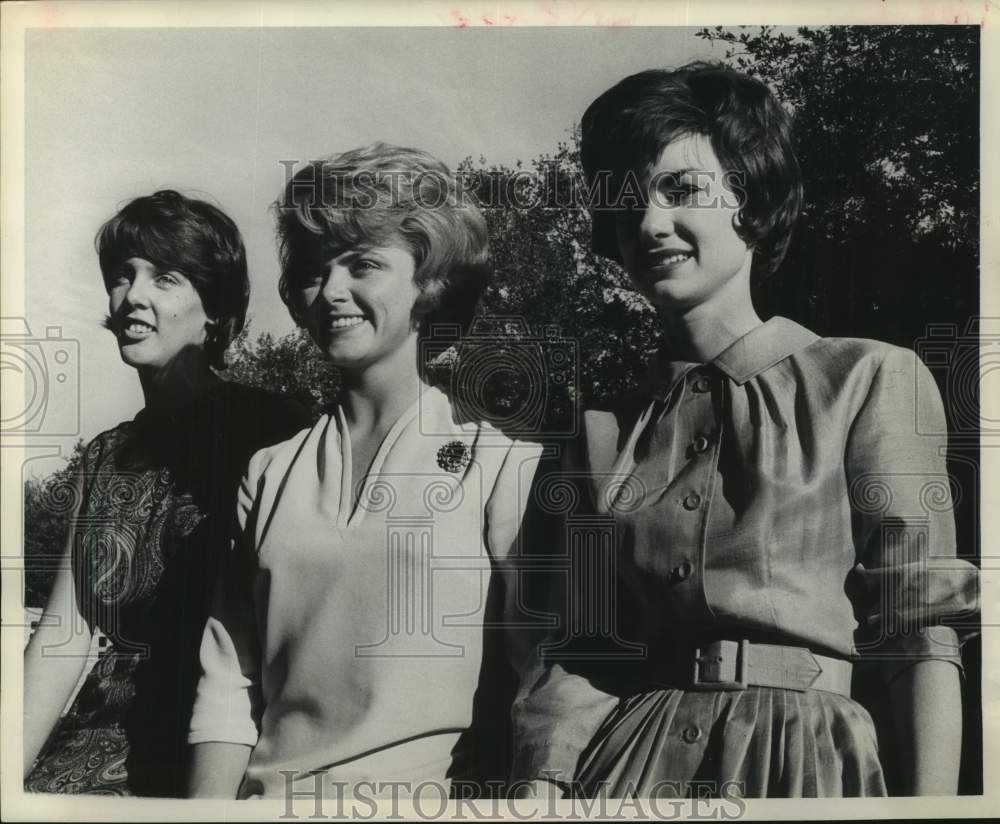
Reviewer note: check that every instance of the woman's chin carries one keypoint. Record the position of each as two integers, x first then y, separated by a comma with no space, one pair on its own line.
129,356
344,357
672,295
133,354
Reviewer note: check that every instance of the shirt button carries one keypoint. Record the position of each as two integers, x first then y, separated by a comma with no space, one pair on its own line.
700,444
692,501
691,734
683,572
702,385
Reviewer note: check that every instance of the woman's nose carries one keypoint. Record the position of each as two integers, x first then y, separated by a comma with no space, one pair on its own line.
335,286
657,221
138,291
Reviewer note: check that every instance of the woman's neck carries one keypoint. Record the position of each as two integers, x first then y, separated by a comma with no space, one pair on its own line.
184,380
373,398
700,333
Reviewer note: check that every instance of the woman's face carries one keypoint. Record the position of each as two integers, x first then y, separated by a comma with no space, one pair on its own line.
681,249
358,306
155,314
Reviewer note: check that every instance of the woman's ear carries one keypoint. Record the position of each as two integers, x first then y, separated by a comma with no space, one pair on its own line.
211,329
739,228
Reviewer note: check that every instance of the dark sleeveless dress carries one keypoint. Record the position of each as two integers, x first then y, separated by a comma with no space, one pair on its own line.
156,509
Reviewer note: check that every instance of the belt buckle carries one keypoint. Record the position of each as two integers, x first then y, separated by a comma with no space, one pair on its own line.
714,661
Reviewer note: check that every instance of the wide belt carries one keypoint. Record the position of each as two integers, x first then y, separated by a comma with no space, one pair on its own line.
736,665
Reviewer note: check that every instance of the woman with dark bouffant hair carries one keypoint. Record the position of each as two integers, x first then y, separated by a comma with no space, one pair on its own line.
778,521
346,644
152,508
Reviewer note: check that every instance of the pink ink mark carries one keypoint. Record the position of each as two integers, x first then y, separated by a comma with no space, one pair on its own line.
462,22
487,20
601,20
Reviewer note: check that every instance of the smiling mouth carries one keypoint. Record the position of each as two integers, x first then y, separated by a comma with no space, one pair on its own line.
137,330
339,324
667,259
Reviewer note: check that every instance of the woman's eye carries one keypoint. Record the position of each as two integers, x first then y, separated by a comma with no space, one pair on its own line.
167,278
681,193
365,265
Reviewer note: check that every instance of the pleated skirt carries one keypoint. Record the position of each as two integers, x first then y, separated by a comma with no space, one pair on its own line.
757,743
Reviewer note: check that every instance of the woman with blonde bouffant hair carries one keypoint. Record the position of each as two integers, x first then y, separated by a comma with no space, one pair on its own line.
347,640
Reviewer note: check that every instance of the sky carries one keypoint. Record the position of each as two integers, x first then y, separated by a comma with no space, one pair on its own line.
115,113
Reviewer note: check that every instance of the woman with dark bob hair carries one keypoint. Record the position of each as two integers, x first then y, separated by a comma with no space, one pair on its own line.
151,510
778,521
347,639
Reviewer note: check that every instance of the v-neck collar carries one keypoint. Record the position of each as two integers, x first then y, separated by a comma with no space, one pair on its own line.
351,511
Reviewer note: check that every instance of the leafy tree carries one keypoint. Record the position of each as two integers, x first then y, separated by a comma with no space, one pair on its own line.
290,365
886,121
46,525
569,302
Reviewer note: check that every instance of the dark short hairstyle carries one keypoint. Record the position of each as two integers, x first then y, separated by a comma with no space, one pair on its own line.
194,238
370,195
626,128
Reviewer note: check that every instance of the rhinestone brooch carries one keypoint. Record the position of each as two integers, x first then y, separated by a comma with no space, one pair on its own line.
453,456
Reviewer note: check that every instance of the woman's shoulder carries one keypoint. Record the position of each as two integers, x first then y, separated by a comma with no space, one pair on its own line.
109,436
854,350
457,436
106,442
858,360
277,457
441,413
871,374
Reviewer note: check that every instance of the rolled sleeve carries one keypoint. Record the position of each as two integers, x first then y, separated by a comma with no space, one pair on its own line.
911,580
555,718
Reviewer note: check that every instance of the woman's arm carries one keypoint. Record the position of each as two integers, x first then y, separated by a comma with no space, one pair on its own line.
217,769
910,570
56,655
226,712
927,709
53,663
555,712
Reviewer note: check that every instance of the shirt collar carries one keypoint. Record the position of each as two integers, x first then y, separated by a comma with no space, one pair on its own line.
763,347
758,350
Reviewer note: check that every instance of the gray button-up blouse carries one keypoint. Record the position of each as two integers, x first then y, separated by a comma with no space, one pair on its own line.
794,489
